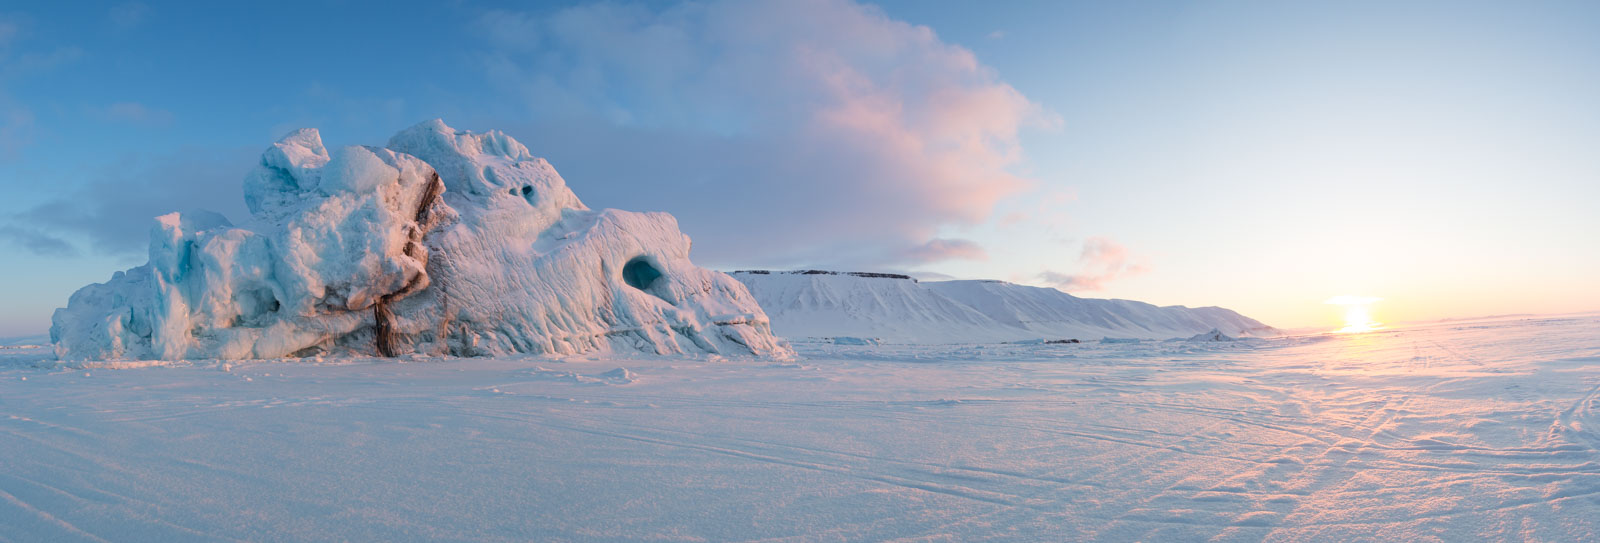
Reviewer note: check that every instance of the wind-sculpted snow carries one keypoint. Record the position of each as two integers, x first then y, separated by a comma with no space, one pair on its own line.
1480,431
446,242
900,309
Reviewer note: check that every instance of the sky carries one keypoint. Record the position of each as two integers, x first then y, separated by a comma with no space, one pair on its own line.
1260,156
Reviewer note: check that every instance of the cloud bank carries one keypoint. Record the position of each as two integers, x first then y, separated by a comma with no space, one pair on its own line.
37,242
779,132
114,211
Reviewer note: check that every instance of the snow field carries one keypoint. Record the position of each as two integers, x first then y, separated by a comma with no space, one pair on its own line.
1454,432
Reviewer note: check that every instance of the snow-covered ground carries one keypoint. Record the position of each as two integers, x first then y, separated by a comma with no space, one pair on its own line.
1451,432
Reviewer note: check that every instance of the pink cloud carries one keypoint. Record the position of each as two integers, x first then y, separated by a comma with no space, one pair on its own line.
1102,261
940,249
779,132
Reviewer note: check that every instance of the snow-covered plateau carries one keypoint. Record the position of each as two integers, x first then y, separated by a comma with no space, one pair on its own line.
443,242
818,304
1466,431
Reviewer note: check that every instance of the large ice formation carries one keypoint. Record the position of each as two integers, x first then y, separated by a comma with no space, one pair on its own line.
445,242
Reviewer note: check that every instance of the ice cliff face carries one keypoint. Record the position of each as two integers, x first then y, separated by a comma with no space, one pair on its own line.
445,242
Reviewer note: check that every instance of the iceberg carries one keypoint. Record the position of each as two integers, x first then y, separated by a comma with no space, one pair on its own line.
444,242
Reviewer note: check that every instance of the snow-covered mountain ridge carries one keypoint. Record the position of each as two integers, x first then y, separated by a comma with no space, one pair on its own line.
898,308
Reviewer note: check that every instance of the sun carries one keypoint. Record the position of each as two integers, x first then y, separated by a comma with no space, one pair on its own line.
1357,318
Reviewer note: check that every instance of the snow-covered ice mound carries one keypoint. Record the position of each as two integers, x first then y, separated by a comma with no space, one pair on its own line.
1213,335
445,242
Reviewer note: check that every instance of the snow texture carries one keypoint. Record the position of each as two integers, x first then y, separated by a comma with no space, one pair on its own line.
899,309
445,242
1471,431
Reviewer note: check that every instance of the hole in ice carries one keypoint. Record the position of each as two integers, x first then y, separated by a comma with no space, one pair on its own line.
526,189
639,273
255,308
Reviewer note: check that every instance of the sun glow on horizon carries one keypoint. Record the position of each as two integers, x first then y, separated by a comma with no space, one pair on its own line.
1357,318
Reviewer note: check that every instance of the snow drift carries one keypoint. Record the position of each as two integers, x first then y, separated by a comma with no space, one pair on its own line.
900,309
444,242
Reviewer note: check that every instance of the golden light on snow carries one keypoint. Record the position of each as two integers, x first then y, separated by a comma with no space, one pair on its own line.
1357,318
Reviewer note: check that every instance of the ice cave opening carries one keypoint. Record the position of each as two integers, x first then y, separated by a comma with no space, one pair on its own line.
639,273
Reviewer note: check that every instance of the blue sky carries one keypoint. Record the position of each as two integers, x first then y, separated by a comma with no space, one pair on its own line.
1262,156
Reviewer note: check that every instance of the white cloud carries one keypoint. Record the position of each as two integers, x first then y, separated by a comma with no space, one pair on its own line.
779,132
112,212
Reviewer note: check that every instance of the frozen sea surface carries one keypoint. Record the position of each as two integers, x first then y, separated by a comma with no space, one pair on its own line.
1454,432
